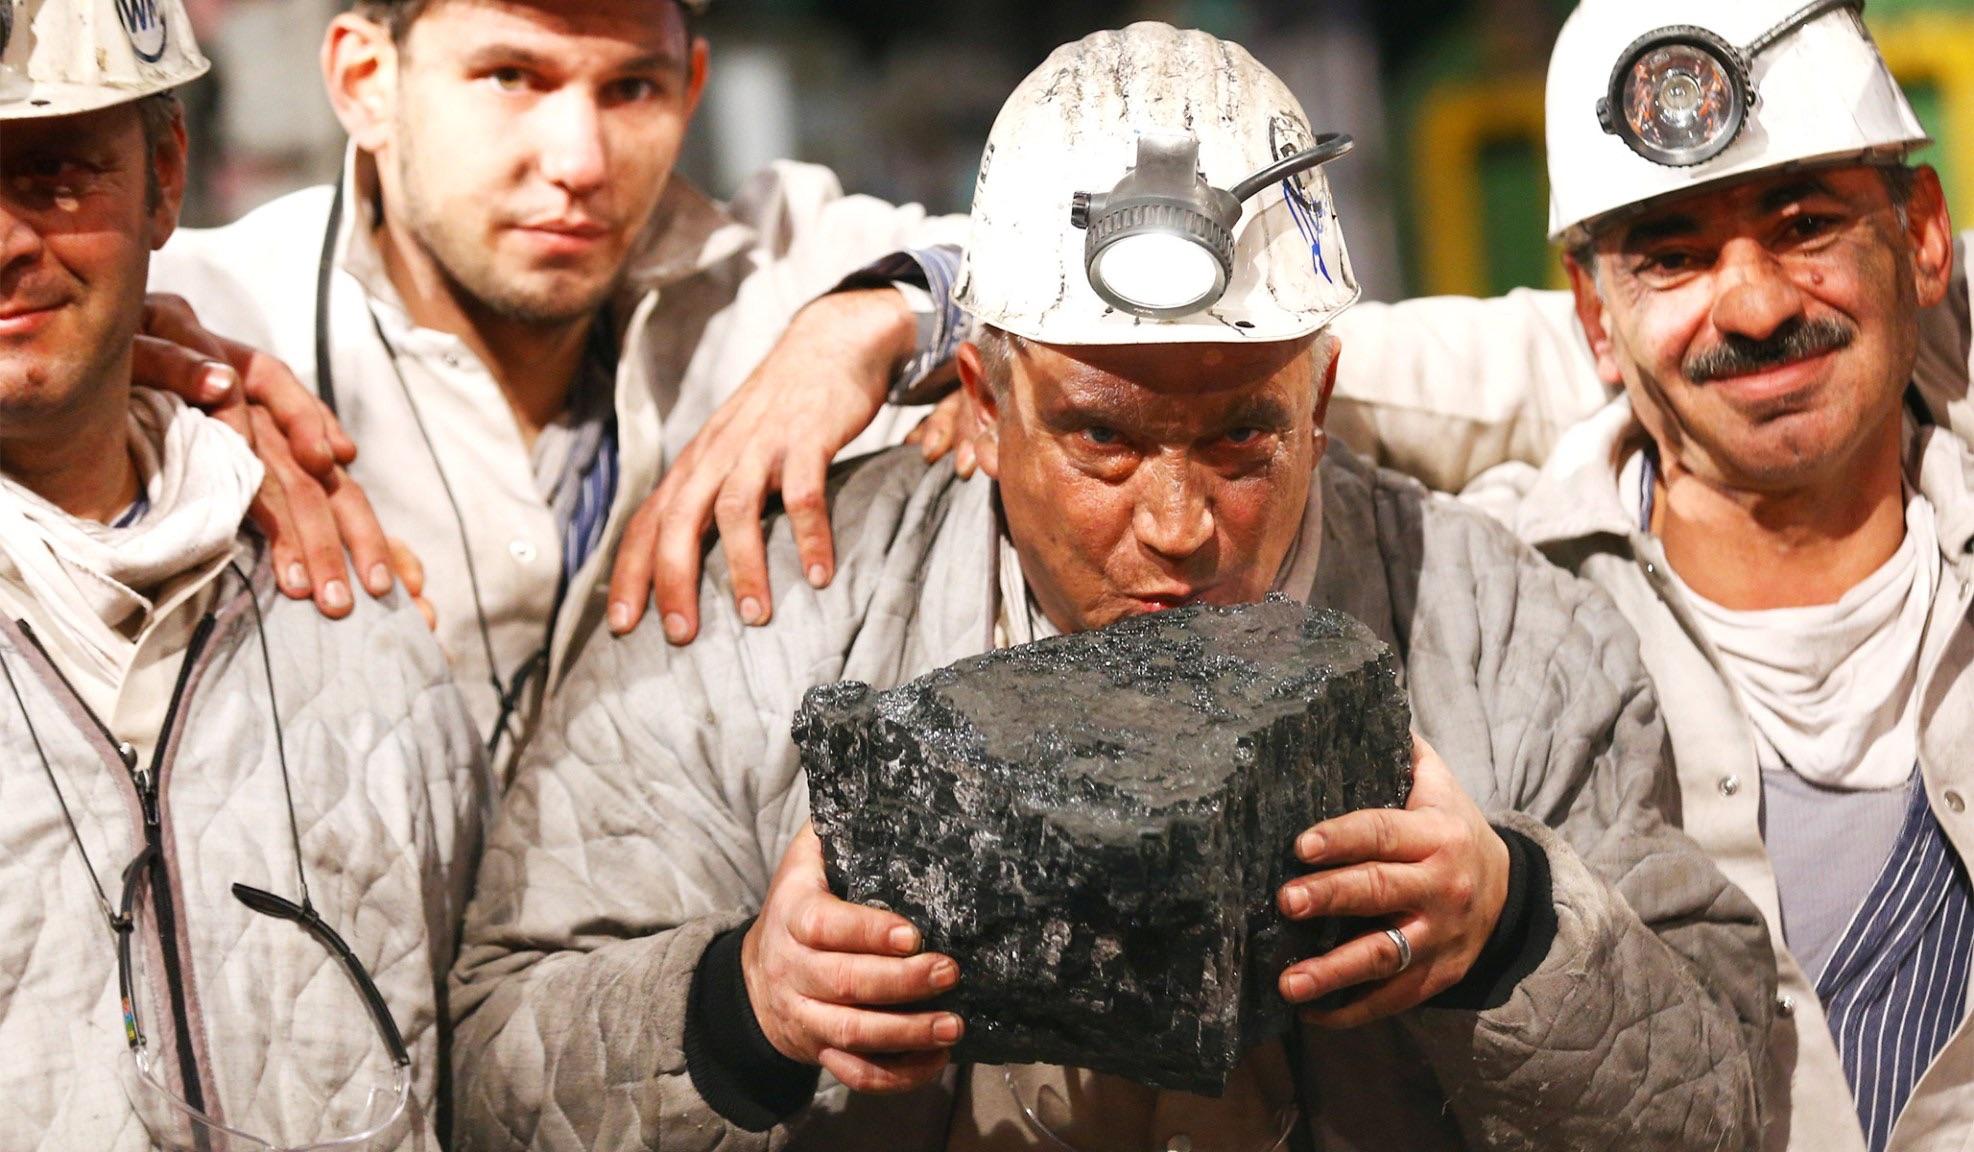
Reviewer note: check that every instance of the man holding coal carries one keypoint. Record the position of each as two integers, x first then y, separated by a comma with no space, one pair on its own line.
655,955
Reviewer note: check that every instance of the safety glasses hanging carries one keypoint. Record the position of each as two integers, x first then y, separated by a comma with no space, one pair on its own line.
1161,243
1680,95
175,1122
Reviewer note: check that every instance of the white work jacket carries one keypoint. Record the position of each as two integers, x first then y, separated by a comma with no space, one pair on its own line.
1477,394
703,303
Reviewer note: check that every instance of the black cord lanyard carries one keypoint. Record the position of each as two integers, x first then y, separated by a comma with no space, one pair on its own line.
509,693
122,924
119,924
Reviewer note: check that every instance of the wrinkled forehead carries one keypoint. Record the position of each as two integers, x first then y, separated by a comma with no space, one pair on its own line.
1170,385
613,31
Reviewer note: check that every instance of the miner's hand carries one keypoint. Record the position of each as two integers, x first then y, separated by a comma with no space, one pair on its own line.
817,390
1435,871
949,427
822,975
308,507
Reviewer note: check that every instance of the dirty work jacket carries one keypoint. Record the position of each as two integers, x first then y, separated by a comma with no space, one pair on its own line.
654,807
703,302
1478,394
1576,516
389,794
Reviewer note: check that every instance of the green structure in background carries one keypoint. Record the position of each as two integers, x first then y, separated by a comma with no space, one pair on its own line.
1477,211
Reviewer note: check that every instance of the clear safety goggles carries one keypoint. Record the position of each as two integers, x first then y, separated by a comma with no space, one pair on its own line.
374,1114
1681,94
1063,1126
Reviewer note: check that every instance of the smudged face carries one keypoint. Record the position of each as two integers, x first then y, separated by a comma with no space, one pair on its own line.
1766,330
78,223
532,141
1140,478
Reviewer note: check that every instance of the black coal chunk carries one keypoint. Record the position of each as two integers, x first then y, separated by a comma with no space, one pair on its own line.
1095,826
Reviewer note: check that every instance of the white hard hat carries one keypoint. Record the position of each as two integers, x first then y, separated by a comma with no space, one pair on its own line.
1647,100
61,57
1111,162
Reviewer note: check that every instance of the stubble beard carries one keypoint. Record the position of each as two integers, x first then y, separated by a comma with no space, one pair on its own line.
476,281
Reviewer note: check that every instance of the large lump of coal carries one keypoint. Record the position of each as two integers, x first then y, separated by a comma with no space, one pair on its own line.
1095,826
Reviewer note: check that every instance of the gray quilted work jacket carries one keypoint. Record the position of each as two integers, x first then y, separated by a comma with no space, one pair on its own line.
389,793
654,808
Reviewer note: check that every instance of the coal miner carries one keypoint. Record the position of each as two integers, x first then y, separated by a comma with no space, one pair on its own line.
1754,413
235,838
654,957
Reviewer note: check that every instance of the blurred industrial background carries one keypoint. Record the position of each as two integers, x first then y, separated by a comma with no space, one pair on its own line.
1444,194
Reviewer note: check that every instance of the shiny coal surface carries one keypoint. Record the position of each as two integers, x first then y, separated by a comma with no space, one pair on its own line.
1094,826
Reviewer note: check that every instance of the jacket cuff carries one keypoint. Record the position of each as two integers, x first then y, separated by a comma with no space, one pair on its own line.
1521,937
942,325
735,1069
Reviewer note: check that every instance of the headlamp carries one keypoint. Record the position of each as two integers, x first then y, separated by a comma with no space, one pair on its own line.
1161,243
1680,95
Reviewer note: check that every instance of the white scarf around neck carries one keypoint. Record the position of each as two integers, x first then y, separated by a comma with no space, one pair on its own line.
1832,689
91,580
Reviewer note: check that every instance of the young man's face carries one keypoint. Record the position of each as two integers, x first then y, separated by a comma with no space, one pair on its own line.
78,223
1766,330
532,139
1136,479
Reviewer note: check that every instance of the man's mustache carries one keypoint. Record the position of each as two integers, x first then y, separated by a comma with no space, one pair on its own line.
1799,339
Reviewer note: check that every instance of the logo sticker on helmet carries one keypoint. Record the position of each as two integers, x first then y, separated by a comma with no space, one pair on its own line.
145,25
1312,216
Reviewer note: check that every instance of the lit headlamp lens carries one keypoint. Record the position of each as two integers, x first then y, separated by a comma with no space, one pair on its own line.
1158,273
1680,104
1160,244
1679,96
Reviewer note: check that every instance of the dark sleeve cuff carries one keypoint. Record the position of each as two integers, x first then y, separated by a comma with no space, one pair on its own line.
1521,937
736,1071
940,333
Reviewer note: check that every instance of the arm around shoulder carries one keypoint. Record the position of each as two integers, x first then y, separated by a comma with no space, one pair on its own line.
1447,387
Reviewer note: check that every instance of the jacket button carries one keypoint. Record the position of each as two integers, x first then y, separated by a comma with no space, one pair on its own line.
523,551
1955,803
127,752
1785,1006
1729,785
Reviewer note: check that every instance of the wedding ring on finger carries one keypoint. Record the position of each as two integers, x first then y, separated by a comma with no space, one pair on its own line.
1404,949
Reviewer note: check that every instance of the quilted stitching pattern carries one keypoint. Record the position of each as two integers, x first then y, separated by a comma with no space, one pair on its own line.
647,817
388,792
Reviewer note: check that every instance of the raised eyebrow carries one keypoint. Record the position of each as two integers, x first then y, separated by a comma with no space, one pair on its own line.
1092,403
510,56
521,56
666,61
1782,196
1660,228
1260,412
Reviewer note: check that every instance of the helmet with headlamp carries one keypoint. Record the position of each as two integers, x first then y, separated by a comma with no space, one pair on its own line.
63,57
1152,185
1651,100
